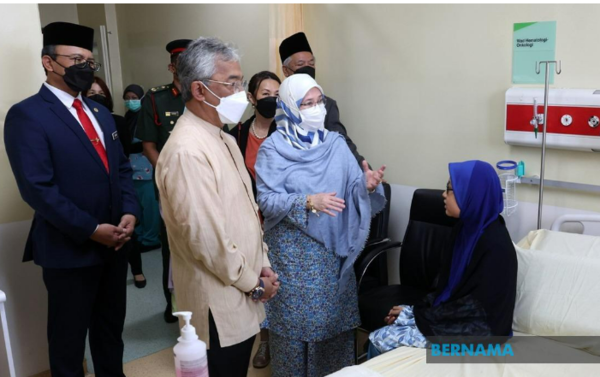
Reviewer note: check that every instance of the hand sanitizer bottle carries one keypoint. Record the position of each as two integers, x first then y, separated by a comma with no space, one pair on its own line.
190,352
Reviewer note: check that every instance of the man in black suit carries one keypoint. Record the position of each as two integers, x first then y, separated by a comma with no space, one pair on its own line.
297,57
69,165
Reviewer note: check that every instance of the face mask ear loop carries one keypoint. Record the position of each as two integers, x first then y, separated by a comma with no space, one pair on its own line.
63,75
211,92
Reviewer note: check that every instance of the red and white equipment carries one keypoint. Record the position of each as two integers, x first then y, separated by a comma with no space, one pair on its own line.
573,118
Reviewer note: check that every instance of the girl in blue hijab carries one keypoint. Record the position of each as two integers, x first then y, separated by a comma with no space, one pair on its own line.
476,288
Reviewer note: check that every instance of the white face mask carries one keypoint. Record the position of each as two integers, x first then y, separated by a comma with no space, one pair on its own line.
313,119
230,108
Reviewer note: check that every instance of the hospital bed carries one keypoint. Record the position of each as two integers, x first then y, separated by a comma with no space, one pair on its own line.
558,294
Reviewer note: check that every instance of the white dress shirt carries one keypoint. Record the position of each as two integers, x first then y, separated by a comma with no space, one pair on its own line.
68,100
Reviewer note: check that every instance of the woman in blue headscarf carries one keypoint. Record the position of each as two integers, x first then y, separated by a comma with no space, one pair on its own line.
477,283
317,205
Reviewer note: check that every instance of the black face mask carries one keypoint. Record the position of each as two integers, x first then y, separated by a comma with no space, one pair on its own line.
80,80
267,107
308,70
100,99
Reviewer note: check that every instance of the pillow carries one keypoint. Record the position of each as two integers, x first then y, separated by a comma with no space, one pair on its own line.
557,295
562,243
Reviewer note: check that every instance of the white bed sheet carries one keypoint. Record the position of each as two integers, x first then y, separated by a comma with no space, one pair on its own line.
578,245
579,275
410,362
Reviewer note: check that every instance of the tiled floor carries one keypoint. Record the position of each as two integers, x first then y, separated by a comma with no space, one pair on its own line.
145,331
161,364
149,341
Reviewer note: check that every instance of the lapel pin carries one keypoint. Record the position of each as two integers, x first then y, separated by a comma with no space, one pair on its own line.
95,109
115,135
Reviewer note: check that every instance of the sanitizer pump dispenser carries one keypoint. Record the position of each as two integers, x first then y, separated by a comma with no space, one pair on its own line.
190,352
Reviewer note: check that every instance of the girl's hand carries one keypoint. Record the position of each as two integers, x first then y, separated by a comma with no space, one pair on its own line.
393,315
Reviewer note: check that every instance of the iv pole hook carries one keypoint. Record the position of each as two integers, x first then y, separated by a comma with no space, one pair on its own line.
558,70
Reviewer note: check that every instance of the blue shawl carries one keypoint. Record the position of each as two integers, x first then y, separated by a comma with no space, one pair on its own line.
479,196
283,173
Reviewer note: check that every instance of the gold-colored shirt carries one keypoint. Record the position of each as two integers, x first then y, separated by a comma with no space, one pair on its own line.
215,235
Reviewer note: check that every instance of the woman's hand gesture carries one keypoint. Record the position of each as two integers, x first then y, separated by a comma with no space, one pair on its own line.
374,178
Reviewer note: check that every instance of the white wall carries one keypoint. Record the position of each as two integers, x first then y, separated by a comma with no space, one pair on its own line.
145,30
21,35
26,304
519,224
58,12
419,86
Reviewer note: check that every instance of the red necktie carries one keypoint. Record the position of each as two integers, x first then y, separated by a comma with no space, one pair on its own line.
91,132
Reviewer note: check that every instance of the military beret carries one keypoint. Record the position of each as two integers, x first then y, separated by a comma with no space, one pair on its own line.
177,46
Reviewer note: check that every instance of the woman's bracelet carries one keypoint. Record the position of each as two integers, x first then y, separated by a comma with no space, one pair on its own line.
310,206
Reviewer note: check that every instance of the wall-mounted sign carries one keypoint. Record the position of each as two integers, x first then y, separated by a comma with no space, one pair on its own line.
533,41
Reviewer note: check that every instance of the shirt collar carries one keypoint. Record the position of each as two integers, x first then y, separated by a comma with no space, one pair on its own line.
63,96
212,129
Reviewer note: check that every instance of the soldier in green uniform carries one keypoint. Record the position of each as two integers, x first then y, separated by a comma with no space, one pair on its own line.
161,108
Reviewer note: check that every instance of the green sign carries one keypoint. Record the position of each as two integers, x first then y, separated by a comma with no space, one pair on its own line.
533,42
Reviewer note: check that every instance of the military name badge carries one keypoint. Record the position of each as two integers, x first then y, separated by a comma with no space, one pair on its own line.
172,113
115,135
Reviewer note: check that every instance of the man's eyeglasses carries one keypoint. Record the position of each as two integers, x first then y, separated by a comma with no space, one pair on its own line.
81,63
448,188
237,86
311,103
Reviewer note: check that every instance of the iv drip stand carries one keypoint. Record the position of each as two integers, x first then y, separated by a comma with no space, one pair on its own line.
557,67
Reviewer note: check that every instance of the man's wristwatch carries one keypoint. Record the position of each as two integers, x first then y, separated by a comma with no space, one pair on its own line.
257,292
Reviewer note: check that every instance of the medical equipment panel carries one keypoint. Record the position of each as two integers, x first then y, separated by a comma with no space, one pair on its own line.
573,118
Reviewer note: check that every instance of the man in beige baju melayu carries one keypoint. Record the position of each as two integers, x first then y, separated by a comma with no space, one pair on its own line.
221,272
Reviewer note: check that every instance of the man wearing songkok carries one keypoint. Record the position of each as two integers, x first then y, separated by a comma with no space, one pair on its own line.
69,165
